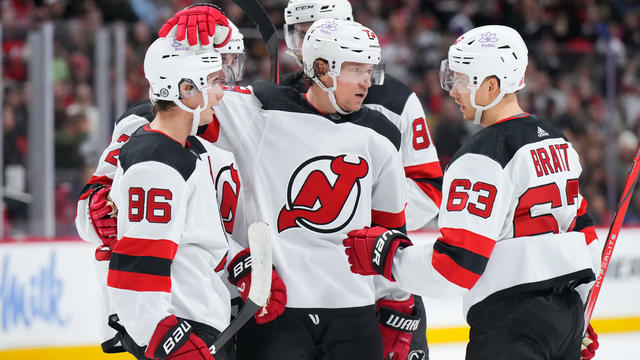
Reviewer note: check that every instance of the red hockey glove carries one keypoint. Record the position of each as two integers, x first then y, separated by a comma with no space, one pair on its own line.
199,22
103,216
371,250
398,321
173,339
589,344
240,275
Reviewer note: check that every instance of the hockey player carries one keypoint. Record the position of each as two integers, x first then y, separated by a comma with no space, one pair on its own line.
162,279
95,220
308,177
516,240
421,165
392,98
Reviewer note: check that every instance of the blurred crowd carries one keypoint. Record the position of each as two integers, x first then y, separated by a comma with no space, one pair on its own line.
571,44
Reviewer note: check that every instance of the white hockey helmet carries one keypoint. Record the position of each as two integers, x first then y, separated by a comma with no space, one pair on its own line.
233,56
168,63
336,42
307,11
492,50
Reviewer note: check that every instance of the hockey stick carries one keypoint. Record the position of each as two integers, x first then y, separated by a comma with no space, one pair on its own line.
261,262
267,30
612,237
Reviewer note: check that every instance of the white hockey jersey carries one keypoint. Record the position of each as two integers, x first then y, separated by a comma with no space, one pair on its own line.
171,241
224,170
419,157
512,218
313,179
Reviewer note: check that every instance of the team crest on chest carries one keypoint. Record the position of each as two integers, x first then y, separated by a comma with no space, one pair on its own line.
323,193
227,184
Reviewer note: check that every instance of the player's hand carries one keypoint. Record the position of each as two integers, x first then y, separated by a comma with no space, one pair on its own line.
201,24
103,215
398,320
589,344
240,275
371,250
174,339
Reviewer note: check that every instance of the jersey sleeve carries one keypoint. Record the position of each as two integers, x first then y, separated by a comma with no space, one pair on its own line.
476,200
152,199
421,165
388,197
103,176
235,115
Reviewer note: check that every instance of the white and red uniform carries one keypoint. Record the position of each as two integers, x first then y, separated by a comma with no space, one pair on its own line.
224,170
512,219
313,178
170,246
419,157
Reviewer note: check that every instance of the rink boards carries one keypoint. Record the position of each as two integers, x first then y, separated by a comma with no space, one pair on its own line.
48,299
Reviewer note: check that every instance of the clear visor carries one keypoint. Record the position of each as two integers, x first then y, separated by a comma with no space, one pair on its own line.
359,73
294,35
450,80
232,68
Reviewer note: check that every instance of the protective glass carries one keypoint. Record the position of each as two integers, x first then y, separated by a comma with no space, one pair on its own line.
449,80
359,73
232,68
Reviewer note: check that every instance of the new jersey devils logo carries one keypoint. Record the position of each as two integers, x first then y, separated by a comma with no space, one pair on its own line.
326,190
228,185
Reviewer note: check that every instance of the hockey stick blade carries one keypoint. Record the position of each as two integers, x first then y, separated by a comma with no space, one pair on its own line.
261,264
612,236
267,29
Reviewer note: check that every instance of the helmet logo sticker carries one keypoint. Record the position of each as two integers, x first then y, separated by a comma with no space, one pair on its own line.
164,92
488,38
329,27
177,46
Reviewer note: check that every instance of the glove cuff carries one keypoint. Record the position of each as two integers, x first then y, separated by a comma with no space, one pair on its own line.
170,335
398,315
384,250
240,266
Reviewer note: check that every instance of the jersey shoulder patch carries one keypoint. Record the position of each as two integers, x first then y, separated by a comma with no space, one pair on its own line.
282,98
501,141
140,108
145,145
379,123
392,94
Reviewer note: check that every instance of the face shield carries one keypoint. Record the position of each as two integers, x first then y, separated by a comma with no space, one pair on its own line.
450,80
294,35
232,68
356,73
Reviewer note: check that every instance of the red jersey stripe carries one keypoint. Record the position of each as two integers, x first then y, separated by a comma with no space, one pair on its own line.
424,171
104,180
589,234
146,247
212,131
431,191
583,207
138,282
468,240
452,271
388,219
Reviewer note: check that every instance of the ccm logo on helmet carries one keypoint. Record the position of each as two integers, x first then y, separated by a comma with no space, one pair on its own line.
303,7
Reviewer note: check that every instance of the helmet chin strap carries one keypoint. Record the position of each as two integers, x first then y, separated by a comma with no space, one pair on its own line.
480,109
196,112
332,96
